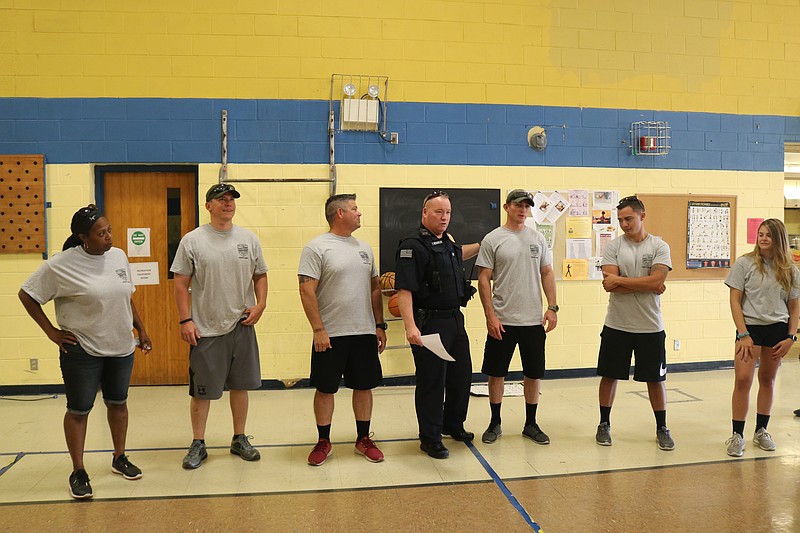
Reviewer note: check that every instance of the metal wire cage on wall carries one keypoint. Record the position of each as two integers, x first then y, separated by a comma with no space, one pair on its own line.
361,102
650,138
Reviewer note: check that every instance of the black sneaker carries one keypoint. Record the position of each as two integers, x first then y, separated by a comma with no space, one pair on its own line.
533,432
436,449
121,465
79,485
241,446
196,455
492,433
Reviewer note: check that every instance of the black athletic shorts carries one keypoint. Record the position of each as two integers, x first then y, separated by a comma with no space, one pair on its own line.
616,348
768,335
497,353
353,356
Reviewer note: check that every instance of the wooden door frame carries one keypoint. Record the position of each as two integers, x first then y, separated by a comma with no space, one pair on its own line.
100,172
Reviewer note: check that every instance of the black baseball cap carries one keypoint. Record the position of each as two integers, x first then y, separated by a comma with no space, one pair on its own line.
219,189
519,195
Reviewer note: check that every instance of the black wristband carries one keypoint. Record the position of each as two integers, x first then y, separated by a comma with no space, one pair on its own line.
185,320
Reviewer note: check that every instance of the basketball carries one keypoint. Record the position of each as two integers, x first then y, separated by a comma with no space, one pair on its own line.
394,304
387,284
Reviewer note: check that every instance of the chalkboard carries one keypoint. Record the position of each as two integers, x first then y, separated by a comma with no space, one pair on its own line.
476,212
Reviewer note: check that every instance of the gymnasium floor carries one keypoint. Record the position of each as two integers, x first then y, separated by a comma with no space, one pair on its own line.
513,485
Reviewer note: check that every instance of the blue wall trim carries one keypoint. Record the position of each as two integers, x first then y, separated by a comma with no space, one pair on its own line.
160,130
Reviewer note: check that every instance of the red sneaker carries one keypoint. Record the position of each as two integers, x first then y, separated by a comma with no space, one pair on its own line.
320,452
367,448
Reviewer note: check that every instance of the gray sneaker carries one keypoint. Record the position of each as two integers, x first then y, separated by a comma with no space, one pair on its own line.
492,433
533,432
603,435
196,455
241,446
735,445
664,440
764,440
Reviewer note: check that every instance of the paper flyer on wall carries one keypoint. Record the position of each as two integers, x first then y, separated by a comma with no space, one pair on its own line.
602,218
541,205
548,230
579,228
574,269
579,248
595,267
605,199
602,238
558,206
578,203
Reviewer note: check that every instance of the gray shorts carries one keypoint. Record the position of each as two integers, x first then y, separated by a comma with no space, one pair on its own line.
226,362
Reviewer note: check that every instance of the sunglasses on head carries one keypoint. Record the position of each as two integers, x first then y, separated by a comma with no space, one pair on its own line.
630,200
434,194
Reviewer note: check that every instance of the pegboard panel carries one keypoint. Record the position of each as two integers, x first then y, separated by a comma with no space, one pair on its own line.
22,226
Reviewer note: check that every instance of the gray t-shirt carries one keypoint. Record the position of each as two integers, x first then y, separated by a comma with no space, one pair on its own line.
222,265
636,312
516,258
344,267
764,301
92,296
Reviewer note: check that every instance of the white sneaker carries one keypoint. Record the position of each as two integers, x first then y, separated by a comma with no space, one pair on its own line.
735,445
764,440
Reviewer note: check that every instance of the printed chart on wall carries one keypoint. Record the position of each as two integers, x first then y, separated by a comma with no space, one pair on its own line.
708,235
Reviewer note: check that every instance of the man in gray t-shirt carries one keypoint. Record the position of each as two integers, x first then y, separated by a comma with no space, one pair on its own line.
635,267
225,268
515,266
342,300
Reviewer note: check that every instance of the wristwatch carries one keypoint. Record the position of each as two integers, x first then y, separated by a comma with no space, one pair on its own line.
382,325
790,336
553,308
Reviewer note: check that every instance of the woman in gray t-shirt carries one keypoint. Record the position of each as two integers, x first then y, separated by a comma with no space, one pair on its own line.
765,286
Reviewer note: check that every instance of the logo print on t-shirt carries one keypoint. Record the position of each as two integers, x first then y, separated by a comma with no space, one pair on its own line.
242,251
534,251
123,275
364,257
647,260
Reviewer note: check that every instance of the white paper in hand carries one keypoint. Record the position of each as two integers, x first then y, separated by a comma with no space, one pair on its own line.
433,342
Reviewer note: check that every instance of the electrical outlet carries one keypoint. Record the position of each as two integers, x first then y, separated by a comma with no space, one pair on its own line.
676,346
394,138
34,364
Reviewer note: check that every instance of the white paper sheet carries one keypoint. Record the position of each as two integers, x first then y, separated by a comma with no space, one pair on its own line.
433,342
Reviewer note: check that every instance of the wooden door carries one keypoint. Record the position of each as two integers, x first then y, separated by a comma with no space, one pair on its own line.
166,203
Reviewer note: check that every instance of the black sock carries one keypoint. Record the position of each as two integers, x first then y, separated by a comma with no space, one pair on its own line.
761,421
530,413
661,419
738,427
495,407
201,441
362,428
242,435
324,431
605,414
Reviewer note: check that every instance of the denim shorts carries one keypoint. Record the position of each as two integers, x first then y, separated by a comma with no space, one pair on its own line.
84,374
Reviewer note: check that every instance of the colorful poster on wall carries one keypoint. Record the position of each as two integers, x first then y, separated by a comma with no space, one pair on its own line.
558,206
578,203
548,230
605,199
708,239
574,269
752,229
579,228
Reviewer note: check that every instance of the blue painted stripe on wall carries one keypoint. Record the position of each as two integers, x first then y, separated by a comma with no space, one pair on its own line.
160,130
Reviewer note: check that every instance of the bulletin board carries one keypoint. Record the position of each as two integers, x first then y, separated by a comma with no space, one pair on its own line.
667,218
22,206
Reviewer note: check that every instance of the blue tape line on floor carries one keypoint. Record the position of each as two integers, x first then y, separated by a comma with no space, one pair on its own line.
19,456
503,488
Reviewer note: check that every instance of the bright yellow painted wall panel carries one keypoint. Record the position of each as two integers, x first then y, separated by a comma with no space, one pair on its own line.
61,49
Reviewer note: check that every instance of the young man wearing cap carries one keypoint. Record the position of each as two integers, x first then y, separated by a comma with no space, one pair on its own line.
515,267
349,332
635,267
225,268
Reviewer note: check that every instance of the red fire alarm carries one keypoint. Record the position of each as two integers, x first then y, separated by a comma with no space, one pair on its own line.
648,144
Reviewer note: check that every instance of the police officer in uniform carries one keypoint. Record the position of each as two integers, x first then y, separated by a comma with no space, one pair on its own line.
430,280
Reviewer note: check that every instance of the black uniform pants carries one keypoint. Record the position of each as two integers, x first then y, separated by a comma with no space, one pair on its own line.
442,393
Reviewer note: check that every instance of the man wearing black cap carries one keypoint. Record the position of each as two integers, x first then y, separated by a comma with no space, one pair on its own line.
225,268
432,287
515,267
